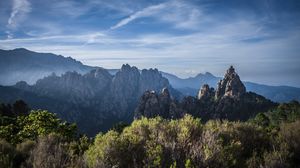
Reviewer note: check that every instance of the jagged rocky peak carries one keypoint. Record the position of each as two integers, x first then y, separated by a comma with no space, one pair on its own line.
128,68
126,80
205,92
127,75
230,85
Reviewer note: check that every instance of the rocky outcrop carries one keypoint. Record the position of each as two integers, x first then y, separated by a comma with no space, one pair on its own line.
152,104
206,93
164,102
230,85
229,101
148,105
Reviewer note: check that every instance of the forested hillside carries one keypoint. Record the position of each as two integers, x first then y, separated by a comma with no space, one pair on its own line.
40,139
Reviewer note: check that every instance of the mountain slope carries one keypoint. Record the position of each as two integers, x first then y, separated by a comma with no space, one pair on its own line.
21,64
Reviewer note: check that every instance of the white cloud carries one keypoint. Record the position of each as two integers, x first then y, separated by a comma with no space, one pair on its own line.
20,9
210,51
149,11
179,13
183,15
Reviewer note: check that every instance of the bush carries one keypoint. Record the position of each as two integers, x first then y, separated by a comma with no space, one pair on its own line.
50,151
7,154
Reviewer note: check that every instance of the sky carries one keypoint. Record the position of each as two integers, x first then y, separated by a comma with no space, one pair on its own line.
260,38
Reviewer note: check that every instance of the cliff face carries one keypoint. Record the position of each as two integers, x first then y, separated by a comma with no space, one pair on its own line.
129,84
229,101
154,104
104,97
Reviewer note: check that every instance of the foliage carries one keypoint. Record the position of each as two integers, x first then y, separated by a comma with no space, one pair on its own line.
50,151
271,139
186,142
119,127
7,154
41,122
161,143
17,129
285,112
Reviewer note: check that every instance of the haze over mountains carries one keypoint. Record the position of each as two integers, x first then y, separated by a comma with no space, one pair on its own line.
24,65
96,98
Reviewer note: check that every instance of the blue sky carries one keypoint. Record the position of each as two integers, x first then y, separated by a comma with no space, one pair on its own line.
261,38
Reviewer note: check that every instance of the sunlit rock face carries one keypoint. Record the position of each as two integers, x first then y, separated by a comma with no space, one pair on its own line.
230,85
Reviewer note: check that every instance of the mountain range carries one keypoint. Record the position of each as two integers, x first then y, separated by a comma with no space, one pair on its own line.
95,100
23,65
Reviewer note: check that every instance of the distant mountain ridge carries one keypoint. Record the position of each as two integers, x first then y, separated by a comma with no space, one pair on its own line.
24,65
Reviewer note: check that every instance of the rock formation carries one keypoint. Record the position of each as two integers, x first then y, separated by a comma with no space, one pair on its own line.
230,85
152,104
206,93
99,98
229,101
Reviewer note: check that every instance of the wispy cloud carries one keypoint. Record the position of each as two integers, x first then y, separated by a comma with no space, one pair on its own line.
178,35
183,15
213,50
180,13
149,11
20,9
